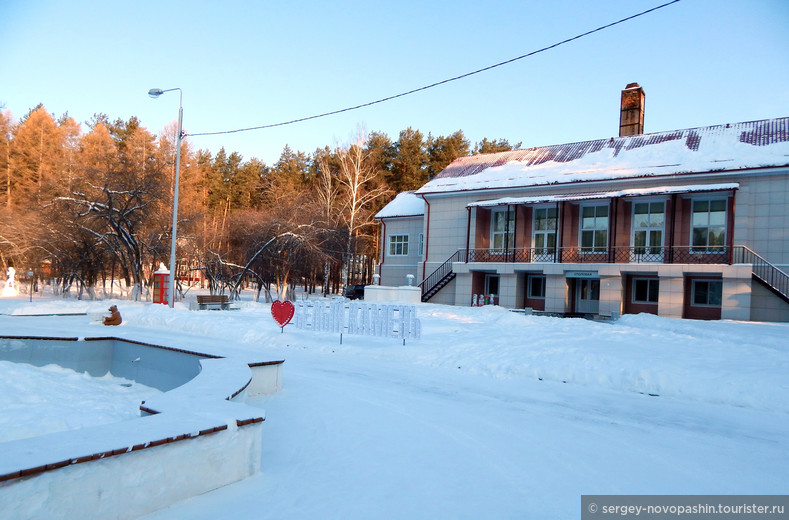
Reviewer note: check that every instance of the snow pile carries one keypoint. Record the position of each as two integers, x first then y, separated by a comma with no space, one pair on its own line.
52,399
405,204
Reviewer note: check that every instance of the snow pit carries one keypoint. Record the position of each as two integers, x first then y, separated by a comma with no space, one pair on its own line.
199,426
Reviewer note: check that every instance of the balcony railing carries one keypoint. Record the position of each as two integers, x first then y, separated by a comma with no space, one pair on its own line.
774,278
615,255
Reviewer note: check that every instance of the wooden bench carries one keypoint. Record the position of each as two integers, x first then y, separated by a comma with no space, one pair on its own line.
215,302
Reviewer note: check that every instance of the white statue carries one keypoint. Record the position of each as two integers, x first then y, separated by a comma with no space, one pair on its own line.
10,285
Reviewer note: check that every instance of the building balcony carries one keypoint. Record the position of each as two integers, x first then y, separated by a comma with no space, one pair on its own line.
612,255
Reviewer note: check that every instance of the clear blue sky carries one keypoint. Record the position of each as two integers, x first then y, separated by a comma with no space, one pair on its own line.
241,64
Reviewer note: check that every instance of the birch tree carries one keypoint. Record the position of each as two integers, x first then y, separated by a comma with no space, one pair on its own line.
359,189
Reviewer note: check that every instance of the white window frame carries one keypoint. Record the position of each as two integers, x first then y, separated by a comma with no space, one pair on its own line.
540,252
421,244
649,281
508,233
716,249
633,229
392,245
594,250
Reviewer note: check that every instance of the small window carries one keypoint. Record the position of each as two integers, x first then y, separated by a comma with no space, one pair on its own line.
645,290
536,286
707,293
421,244
398,245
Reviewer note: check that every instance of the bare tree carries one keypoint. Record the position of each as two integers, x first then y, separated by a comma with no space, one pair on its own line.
359,189
114,218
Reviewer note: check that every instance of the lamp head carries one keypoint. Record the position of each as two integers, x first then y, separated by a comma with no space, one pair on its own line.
155,92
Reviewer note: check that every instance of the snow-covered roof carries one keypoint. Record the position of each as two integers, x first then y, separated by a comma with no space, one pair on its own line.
754,144
405,204
636,192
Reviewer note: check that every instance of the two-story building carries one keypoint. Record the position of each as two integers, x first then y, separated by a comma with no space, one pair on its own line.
689,223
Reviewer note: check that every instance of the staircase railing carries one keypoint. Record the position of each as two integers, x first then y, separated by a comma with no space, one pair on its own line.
773,277
441,272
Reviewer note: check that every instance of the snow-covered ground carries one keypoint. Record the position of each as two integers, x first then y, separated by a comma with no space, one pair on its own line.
491,414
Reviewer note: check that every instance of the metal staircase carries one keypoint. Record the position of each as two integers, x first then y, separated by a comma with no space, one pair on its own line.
439,278
763,271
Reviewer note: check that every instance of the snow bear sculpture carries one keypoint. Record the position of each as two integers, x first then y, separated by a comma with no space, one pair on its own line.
114,318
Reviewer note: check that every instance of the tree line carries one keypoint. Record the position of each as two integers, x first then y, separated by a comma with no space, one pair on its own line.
87,209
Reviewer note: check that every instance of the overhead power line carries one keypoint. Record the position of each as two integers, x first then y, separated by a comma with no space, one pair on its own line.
442,82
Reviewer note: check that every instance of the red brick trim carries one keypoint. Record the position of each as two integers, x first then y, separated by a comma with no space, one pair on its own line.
120,451
266,363
49,338
142,343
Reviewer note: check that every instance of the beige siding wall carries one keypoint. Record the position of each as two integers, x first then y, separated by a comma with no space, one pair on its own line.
761,222
762,216
766,306
394,269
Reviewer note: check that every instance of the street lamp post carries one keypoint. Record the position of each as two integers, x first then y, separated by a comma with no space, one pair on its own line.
155,93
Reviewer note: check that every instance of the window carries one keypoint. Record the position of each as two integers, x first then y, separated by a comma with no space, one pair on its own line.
645,290
492,284
707,293
536,286
398,245
708,225
421,244
594,229
544,233
502,233
648,220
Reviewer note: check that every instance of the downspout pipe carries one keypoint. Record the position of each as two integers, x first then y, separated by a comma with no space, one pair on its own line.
558,231
383,246
468,231
672,228
730,225
612,224
507,242
427,237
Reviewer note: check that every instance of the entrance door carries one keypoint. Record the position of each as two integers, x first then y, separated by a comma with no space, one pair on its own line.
587,295
492,288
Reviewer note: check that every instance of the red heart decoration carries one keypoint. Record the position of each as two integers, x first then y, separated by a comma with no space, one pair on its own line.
282,312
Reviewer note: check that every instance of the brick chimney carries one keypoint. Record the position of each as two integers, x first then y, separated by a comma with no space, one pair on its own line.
631,117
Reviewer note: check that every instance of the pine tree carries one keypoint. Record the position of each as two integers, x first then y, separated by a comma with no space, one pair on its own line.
496,145
443,150
6,130
36,157
409,165
97,155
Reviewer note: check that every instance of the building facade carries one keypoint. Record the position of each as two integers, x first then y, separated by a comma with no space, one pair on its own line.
689,223
402,239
